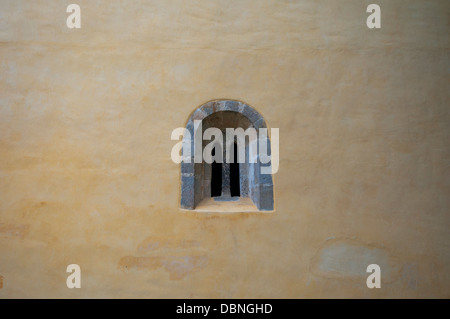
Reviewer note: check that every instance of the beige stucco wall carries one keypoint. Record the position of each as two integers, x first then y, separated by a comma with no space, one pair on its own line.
86,175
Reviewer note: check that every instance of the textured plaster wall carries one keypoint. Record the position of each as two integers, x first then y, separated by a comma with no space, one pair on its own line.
85,169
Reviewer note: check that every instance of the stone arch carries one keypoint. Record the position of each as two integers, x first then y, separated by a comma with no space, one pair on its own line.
195,177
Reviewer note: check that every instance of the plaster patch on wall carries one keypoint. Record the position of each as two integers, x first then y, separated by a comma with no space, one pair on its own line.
409,275
347,259
153,243
181,256
177,266
14,230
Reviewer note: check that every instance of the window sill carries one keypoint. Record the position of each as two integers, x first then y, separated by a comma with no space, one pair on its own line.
241,205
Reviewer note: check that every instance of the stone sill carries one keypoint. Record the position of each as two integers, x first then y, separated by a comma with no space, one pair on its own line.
242,205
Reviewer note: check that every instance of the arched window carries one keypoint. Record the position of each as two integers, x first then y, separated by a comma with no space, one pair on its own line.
227,186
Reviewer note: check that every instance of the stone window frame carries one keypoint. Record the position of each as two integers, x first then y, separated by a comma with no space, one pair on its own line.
192,174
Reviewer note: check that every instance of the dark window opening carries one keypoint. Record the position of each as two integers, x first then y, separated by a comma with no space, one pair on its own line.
216,177
234,175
